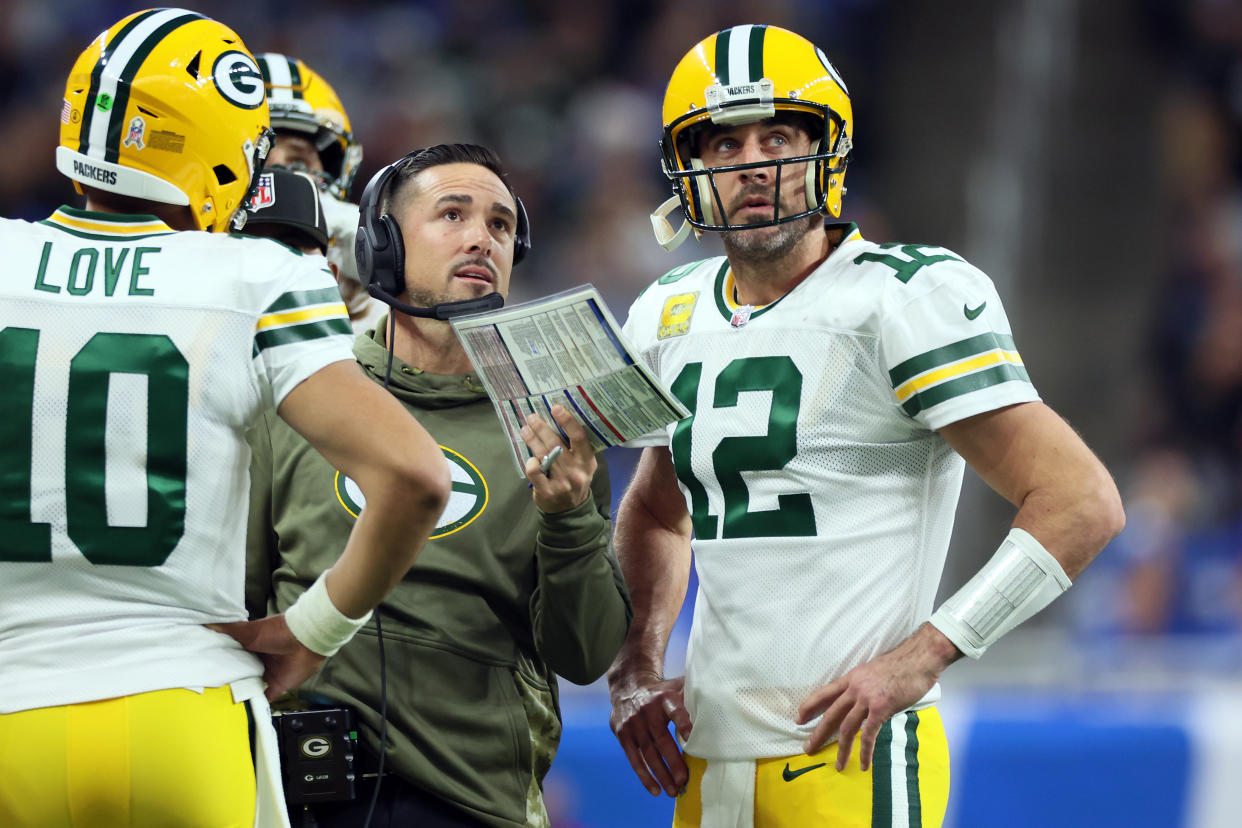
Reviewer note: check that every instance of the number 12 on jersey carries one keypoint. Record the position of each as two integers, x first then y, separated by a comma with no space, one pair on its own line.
794,515
167,373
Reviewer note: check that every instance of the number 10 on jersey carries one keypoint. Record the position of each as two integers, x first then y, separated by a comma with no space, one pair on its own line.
86,509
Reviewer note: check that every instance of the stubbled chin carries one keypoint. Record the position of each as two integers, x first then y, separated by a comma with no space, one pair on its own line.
743,226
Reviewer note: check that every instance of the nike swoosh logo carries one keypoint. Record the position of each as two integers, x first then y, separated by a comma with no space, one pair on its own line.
971,313
790,775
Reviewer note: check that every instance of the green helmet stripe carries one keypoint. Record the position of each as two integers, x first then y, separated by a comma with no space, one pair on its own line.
88,107
263,70
295,78
739,54
279,75
116,123
756,52
722,57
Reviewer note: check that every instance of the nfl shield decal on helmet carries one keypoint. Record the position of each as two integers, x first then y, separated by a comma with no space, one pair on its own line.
264,192
466,502
137,133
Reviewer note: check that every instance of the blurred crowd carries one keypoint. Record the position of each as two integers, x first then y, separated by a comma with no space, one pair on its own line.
1177,568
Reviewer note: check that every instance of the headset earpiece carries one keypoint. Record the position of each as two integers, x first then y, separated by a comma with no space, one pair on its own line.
389,267
378,248
521,235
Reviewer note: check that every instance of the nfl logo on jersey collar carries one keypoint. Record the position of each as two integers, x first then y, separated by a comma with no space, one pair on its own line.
741,315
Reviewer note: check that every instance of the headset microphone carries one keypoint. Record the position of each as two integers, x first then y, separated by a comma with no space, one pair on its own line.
442,311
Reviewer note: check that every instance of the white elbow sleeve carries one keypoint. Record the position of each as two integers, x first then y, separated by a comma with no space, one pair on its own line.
1020,580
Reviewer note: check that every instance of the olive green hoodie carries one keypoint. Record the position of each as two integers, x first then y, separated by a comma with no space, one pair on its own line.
501,598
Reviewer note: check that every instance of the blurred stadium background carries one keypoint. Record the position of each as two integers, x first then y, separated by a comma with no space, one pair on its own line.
1084,153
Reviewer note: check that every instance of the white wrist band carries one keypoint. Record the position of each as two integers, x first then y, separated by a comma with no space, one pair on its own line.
1020,580
316,622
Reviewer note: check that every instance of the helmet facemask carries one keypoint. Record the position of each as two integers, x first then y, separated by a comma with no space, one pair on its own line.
699,196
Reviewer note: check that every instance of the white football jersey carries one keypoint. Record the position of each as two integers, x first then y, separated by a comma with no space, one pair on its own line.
132,360
821,496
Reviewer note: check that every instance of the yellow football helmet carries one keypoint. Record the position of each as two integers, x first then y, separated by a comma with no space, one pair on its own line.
167,105
302,101
739,76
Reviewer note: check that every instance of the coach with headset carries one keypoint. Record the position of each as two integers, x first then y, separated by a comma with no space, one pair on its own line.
518,582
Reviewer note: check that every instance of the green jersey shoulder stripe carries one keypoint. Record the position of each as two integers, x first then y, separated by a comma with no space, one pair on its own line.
302,298
945,354
316,329
937,394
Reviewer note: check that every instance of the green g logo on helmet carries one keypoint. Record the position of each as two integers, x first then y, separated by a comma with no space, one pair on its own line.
238,78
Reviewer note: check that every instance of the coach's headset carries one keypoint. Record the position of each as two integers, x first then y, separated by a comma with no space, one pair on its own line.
380,251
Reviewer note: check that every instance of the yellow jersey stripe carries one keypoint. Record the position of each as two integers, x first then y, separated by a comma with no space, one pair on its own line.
302,315
110,227
956,369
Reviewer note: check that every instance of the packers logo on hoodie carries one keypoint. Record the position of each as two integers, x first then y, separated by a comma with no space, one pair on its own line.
467,499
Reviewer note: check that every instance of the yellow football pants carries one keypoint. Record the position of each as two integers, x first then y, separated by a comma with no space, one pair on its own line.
906,787
166,758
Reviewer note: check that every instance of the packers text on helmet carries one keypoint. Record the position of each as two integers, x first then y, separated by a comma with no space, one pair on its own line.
167,105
